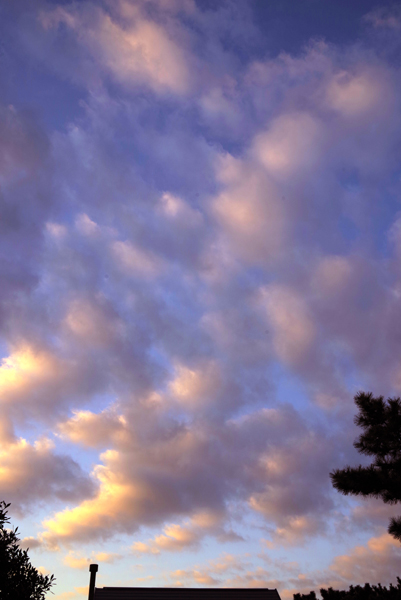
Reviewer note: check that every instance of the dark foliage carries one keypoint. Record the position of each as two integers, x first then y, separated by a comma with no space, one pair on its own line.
19,580
357,592
381,422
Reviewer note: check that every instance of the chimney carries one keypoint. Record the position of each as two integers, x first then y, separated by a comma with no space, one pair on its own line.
93,570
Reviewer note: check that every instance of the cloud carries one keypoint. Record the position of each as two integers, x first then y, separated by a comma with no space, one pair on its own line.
90,324
153,478
75,561
34,473
86,226
79,593
333,276
292,145
353,96
209,249
293,326
356,567
33,378
376,562
384,18
139,52
287,497
176,538
93,430
249,211
24,145
194,387
226,571
130,497
176,210
211,573
373,513
25,171
22,369
298,530
30,543
135,261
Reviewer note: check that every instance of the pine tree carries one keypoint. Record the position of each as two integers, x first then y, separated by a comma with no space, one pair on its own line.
381,422
19,580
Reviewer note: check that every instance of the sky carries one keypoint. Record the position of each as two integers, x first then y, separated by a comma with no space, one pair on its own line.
200,262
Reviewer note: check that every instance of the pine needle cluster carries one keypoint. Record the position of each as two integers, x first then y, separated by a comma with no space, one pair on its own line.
381,438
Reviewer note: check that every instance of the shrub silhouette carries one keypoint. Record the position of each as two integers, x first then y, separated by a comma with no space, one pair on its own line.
19,580
357,592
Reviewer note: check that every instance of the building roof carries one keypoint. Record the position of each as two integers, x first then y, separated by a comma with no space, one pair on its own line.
162,593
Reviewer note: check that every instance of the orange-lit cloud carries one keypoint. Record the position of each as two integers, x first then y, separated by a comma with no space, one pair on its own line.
94,430
375,562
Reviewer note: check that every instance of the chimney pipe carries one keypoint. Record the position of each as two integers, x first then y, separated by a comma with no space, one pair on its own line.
93,569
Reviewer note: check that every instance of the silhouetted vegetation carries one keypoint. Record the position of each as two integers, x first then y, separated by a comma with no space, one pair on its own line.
19,580
357,592
381,422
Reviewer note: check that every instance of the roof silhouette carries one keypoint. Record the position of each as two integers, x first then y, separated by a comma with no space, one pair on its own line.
179,593
175,593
